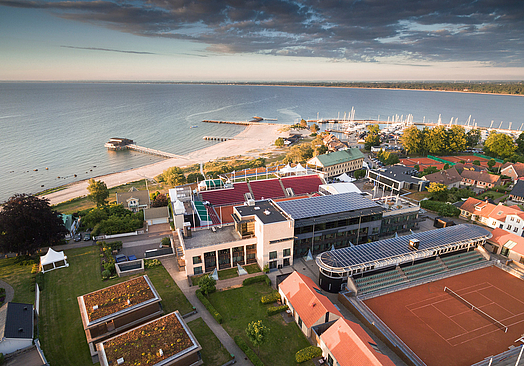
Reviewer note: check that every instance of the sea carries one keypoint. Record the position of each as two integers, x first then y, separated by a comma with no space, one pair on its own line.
53,134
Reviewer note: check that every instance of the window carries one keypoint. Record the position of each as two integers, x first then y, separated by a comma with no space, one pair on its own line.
330,360
197,260
515,229
272,264
300,322
286,252
286,262
197,270
273,255
512,218
509,227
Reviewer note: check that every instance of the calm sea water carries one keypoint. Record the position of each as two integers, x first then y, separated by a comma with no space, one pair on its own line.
64,126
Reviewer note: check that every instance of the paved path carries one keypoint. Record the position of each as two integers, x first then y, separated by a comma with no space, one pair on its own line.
9,291
181,280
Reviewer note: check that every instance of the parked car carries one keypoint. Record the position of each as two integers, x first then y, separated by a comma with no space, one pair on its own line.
78,237
87,236
120,258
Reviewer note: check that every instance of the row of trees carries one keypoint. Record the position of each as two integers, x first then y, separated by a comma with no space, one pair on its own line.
438,140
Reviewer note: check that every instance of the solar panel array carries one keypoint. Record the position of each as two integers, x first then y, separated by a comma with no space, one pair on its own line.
326,205
383,249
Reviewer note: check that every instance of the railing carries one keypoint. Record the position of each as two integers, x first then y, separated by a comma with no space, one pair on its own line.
374,320
489,361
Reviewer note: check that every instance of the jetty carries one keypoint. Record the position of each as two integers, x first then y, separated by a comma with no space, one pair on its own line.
116,144
217,138
241,123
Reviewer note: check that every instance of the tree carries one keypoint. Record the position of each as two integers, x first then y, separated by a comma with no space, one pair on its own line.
98,192
413,140
491,163
207,284
428,170
278,143
439,191
303,123
372,139
193,177
314,128
473,137
476,162
520,143
160,201
28,223
417,167
172,176
257,333
457,139
499,144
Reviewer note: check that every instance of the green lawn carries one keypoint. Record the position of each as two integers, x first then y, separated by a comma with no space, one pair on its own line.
227,273
213,352
20,278
242,305
252,268
61,332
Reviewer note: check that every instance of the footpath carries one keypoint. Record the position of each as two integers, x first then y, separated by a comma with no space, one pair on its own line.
189,291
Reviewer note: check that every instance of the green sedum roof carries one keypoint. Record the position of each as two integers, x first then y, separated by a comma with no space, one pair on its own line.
339,157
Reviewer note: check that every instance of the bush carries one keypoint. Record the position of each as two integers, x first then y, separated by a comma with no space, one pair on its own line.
106,274
35,268
255,360
1,358
209,307
272,310
110,267
272,297
150,263
308,353
166,241
443,209
256,279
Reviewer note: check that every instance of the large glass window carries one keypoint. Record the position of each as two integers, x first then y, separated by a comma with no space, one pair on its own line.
210,261
286,252
224,258
273,264
273,255
238,255
197,270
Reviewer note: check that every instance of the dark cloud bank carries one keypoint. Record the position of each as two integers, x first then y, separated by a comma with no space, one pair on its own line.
488,31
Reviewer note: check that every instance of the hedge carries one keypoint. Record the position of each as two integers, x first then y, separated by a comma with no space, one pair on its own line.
209,307
308,353
271,298
253,357
272,310
256,279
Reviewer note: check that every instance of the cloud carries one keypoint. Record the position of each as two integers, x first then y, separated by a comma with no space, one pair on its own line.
109,50
415,31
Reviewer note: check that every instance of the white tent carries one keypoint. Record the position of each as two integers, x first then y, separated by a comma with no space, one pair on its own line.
287,169
53,260
345,178
300,169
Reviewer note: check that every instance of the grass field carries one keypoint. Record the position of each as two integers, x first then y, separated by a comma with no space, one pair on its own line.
61,332
20,278
242,305
213,352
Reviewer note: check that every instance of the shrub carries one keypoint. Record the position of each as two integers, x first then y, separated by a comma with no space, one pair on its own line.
443,209
207,284
166,241
106,274
272,297
209,307
256,279
268,281
110,267
150,263
248,351
35,268
308,353
1,358
272,310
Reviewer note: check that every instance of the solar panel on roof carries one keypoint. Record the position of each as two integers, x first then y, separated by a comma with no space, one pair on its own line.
383,249
325,205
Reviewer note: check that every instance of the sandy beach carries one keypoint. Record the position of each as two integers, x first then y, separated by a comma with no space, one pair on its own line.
253,141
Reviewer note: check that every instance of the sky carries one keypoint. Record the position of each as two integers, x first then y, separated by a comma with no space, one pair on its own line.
250,40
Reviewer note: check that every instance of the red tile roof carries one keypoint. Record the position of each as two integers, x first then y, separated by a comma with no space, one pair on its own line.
500,212
477,207
501,237
305,298
480,176
518,167
350,345
446,177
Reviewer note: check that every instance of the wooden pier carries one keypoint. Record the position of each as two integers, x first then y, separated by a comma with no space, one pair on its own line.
116,144
241,123
217,138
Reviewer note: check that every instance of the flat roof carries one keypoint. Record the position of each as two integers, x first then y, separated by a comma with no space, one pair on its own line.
266,211
384,250
398,173
16,321
326,205
207,237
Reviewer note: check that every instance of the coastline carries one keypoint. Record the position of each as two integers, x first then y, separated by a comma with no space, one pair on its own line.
252,141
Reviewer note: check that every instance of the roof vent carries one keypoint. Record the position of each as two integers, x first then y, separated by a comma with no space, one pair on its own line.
257,208
20,330
95,307
128,302
414,243
267,212
120,360
160,352
25,308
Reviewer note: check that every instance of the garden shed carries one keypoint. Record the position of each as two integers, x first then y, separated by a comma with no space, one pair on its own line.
53,260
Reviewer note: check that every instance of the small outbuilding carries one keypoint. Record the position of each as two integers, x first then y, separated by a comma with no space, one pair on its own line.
53,260
16,327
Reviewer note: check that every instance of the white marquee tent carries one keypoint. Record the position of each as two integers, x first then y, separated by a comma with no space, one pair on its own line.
53,260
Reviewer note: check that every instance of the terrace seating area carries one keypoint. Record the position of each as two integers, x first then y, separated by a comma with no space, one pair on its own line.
379,281
267,188
462,260
303,184
228,196
417,271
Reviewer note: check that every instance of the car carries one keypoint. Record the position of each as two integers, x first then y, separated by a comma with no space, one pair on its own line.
87,236
120,258
78,237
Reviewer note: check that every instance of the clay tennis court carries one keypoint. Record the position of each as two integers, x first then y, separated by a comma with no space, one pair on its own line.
422,163
442,330
469,159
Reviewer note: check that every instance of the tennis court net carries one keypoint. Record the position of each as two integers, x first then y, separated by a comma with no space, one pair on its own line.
476,309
